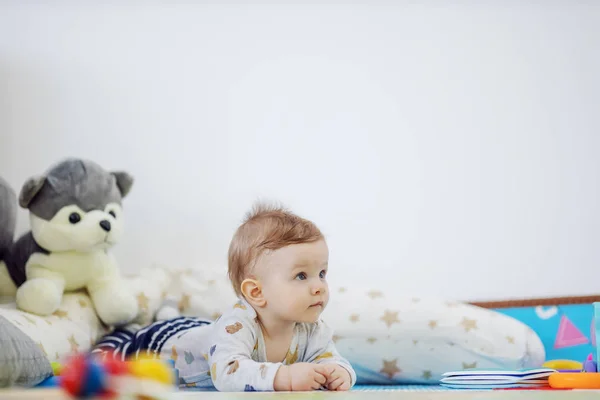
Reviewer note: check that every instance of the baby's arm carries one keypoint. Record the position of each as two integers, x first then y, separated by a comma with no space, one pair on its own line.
232,368
321,350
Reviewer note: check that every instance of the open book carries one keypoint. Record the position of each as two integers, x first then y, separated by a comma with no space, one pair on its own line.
494,379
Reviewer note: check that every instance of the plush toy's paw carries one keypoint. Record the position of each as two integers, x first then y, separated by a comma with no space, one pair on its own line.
39,296
115,305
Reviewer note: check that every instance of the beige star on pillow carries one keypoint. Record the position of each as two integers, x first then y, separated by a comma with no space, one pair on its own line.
61,314
375,294
143,301
469,324
74,344
390,368
41,346
390,317
184,303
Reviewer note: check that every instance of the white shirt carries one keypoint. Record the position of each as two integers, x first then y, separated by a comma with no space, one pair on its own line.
234,349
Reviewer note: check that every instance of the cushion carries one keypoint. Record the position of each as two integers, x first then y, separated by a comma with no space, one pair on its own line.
203,293
22,362
150,287
73,327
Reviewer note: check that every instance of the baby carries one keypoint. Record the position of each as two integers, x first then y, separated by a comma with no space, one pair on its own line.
273,338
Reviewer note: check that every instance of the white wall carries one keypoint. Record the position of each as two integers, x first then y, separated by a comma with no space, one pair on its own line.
444,149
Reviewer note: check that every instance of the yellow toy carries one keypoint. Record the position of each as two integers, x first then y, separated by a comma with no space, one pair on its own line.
563,365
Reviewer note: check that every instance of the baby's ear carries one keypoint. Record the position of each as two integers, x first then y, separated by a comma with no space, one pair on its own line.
253,293
30,189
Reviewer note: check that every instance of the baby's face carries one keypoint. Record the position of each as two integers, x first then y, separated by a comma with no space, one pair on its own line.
294,281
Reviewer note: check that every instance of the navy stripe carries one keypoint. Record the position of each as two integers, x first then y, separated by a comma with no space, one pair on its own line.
150,339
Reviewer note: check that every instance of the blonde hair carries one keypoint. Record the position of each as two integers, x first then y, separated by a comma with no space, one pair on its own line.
266,227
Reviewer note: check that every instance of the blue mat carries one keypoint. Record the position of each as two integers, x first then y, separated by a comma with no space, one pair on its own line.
400,388
374,388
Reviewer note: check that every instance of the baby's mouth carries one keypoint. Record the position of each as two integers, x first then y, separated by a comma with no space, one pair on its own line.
318,304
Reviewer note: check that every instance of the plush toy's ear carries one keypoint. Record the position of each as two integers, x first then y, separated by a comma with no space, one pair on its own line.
30,189
124,182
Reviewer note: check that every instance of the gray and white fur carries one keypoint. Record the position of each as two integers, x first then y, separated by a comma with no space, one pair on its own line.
75,215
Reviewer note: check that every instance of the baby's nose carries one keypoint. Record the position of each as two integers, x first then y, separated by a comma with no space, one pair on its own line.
318,289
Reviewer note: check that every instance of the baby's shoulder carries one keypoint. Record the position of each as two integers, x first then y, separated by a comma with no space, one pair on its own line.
240,315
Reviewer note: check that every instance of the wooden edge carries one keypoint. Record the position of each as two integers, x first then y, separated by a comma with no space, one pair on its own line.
550,301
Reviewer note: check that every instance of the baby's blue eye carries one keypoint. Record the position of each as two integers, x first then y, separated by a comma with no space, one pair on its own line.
323,274
301,276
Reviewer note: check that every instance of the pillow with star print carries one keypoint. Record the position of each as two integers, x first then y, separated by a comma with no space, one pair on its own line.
393,339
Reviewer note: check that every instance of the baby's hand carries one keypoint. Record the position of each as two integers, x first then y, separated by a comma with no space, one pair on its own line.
300,377
338,378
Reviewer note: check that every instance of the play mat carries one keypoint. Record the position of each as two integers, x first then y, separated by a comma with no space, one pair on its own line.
379,395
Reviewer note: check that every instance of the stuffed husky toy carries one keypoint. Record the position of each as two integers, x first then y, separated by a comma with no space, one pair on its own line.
76,217
8,219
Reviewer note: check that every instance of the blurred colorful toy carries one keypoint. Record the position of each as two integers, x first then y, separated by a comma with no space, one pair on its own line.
56,368
563,365
86,376
589,365
575,380
586,377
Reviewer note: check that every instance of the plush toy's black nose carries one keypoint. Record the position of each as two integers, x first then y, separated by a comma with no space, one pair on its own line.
105,225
